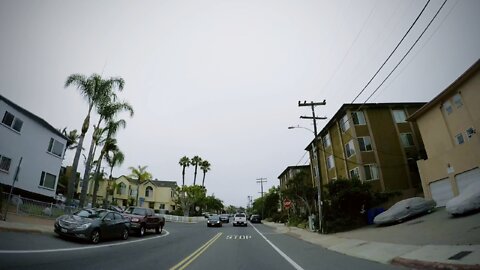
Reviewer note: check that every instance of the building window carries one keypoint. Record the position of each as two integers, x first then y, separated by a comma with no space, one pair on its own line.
162,206
11,121
47,180
55,147
457,99
149,192
399,116
354,174
350,148
364,144
371,172
470,132
330,162
5,163
459,138
344,123
407,139
326,141
358,118
121,189
447,107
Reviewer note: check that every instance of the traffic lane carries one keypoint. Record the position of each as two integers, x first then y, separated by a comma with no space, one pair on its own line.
161,253
239,248
311,256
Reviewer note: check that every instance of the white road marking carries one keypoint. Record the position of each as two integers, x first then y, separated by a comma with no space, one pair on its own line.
293,263
81,248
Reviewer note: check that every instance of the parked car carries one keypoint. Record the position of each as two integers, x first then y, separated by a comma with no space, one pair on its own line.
214,221
142,219
224,218
255,219
93,225
240,219
465,203
115,208
405,209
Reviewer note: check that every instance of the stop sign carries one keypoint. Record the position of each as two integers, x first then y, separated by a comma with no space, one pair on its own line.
287,203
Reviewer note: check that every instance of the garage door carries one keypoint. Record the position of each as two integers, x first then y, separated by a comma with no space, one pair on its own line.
466,178
441,191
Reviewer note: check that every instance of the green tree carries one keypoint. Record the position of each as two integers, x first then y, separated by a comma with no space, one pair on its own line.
187,196
141,175
107,109
213,204
114,157
300,190
268,205
184,162
205,167
195,162
95,90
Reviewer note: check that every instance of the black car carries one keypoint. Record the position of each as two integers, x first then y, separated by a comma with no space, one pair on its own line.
93,225
214,221
255,219
224,218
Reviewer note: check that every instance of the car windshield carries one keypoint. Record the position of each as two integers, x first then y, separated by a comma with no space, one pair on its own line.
240,215
214,217
136,211
86,213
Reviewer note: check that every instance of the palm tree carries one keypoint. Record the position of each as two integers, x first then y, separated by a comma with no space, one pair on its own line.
72,139
107,109
114,157
195,162
94,89
184,162
141,175
205,167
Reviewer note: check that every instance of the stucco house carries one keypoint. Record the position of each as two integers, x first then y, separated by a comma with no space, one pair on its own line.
41,147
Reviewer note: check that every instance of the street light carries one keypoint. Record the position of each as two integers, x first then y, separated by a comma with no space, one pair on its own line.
317,171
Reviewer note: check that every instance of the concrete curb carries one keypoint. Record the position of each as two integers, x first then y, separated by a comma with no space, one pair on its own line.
416,264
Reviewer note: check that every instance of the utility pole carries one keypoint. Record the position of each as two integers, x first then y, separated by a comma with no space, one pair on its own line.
261,181
315,156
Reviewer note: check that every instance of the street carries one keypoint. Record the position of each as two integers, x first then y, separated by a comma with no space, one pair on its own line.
180,246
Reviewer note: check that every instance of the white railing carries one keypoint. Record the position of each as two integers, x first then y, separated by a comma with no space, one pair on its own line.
183,219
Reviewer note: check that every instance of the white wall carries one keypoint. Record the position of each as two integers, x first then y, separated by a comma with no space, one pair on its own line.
31,144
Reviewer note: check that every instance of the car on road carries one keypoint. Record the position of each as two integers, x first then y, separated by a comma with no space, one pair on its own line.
255,219
240,219
467,202
93,225
214,221
142,219
405,209
224,218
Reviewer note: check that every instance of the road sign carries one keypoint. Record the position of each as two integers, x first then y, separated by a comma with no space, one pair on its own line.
287,203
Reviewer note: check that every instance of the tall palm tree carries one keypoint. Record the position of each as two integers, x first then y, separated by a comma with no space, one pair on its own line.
114,157
109,143
184,162
94,89
72,139
141,175
107,109
195,162
205,167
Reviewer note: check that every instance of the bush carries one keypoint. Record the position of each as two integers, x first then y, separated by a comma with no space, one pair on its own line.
278,217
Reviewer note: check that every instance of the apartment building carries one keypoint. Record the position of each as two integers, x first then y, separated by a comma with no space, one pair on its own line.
290,172
40,147
374,143
449,124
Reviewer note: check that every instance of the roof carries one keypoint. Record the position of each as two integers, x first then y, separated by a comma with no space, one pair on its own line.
158,183
292,168
472,70
34,117
347,106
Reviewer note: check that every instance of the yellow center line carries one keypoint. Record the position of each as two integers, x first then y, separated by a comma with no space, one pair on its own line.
189,259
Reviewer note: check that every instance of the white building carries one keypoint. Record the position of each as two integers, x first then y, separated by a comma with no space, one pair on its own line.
25,135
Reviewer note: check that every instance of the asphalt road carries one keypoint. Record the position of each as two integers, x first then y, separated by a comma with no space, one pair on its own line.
180,246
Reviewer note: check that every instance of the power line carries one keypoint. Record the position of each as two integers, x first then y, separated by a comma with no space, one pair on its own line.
396,47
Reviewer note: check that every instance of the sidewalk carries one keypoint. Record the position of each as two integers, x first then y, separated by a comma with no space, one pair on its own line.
19,223
411,256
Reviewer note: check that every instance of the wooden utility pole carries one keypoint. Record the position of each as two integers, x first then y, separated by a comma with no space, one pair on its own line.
316,156
261,181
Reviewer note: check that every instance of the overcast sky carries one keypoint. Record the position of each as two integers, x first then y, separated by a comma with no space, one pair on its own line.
221,79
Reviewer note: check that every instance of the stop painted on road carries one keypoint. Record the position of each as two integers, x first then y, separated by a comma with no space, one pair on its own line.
238,237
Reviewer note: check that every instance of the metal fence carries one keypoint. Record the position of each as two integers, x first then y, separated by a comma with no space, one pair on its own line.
24,206
173,218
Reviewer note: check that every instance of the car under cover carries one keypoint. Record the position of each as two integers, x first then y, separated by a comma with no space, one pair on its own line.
466,202
405,209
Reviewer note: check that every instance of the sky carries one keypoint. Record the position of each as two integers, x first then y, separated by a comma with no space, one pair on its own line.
222,79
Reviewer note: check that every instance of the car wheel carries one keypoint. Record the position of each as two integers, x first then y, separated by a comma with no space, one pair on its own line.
141,232
159,229
125,234
95,236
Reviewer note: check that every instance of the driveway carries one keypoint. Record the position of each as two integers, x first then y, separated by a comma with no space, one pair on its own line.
437,228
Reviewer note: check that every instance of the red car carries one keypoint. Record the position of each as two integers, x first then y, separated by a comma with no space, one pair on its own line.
142,219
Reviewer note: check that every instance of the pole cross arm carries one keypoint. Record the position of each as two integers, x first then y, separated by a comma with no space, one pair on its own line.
311,117
311,103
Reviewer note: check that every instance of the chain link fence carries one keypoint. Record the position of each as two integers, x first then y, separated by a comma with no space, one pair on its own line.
24,206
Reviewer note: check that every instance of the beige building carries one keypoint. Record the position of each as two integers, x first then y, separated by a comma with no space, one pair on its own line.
448,125
123,190
374,143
